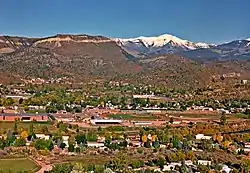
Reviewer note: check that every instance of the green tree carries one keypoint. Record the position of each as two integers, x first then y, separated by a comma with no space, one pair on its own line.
71,148
42,144
161,162
31,129
15,128
62,145
223,119
80,139
3,143
20,142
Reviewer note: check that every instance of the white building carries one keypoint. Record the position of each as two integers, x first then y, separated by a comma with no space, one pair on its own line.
95,144
204,162
170,166
66,140
142,123
42,136
202,136
104,121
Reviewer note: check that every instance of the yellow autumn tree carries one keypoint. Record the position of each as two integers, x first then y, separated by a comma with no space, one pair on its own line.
226,144
219,138
144,138
24,134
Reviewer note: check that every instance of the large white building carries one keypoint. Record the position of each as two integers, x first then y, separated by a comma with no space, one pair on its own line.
104,121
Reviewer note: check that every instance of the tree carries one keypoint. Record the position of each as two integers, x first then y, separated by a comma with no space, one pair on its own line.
91,136
107,141
223,119
19,142
80,139
24,134
45,129
171,120
63,127
31,129
3,143
161,162
42,144
144,138
15,128
62,145
175,142
99,129
71,148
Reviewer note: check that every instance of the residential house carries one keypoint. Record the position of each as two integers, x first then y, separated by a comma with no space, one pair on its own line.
204,162
202,136
66,140
95,144
42,136
247,147
170,166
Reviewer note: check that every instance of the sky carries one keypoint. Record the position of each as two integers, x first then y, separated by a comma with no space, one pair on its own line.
210,21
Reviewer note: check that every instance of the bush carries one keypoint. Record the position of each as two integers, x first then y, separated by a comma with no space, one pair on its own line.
139,151
78,150
71,148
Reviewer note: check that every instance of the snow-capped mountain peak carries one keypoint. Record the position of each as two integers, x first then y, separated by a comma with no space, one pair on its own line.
163,43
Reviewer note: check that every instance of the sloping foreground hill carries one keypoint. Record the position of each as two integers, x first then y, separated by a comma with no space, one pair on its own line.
172,71
78,56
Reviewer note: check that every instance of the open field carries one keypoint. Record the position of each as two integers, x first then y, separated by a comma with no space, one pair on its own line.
132,117
17,165
25,125
36,111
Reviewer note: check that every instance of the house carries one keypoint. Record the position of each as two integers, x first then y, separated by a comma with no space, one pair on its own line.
202,136
170,166
95,144
188,162
244,82
163,146
66,140
226,169
247,147
42,136
204,162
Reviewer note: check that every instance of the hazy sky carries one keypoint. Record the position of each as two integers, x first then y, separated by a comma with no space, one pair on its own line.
212,21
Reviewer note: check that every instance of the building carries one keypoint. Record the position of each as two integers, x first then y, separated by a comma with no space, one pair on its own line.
244,82
247,147
24,117
204,162
66,140
142,123
104,121
42,136
202,136
95,144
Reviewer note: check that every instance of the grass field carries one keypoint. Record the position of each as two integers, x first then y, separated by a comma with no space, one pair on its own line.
132,117
17,165
36,111
25,125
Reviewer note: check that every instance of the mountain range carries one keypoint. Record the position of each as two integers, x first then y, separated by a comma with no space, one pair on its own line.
163,60
169,44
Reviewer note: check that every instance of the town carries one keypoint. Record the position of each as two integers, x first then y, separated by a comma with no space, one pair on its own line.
119,127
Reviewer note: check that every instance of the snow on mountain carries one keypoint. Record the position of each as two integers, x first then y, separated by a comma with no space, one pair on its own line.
165,43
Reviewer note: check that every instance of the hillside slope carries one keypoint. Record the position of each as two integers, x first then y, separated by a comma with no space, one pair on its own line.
75,56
